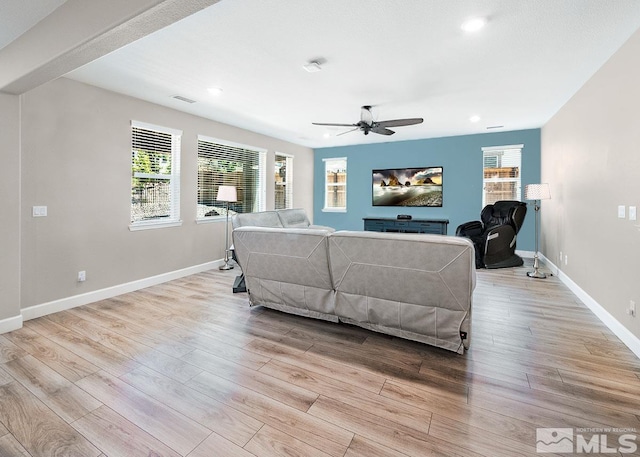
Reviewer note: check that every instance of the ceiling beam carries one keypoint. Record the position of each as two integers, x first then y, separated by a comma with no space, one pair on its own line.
80,31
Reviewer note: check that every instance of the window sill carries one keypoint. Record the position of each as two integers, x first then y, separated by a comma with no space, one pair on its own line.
334,210
209,220
153,225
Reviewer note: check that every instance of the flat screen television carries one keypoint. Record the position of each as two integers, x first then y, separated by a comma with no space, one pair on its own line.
407,187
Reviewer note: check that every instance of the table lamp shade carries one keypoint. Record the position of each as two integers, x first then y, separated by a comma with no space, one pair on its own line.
227,194
537,192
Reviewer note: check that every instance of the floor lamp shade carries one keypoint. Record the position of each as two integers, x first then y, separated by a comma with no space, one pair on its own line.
227,194
537,192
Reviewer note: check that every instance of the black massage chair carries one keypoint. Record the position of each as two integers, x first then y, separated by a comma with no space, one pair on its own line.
494,236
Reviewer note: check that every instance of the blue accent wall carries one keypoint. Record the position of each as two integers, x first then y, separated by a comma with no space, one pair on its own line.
461,159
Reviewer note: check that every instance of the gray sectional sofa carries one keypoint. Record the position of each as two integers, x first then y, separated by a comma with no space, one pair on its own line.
414,286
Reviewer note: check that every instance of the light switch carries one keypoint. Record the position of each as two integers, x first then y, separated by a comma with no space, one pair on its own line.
39,211
621,212
632,213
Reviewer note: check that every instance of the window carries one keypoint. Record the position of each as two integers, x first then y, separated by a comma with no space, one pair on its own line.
335,179
155,176
284,181
501,173
221,163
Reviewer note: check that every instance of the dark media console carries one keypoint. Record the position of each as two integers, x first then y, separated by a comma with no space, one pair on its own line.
389,224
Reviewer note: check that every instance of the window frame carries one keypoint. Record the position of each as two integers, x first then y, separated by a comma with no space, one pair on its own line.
173,220
261,190
499,152
334,209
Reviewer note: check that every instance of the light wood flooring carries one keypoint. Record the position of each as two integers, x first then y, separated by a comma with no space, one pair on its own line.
186,368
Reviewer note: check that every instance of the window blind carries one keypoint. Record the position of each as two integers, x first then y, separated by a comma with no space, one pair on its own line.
283,181
155,174
227,164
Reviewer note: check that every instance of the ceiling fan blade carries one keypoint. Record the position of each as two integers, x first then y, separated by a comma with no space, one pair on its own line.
348,131
400,122
382,130
335,125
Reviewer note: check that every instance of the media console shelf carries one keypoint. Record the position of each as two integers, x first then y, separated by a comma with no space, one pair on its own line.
389,224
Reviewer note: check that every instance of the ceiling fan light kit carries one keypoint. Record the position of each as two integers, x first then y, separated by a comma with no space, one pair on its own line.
367,124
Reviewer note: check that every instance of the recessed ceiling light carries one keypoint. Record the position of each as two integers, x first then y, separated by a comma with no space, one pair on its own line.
326,135
474,119
215,91
473,24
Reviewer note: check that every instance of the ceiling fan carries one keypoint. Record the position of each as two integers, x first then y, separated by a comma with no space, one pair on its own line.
367,124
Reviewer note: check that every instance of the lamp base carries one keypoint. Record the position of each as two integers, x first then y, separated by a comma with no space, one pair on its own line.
226,266
536,273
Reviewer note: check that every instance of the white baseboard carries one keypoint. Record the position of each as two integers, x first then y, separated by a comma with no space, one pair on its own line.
44,309
525,254
11,323
625,335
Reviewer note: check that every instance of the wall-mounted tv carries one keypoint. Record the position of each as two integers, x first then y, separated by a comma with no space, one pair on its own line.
407,187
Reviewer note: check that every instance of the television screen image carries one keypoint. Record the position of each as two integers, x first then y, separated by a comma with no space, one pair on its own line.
408,187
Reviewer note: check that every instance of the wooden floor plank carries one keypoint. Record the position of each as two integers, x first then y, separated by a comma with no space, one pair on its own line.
407,415
389,433
117,437
358,377
215,445
282,391
271,442
38,429
320,434
10,447
225,421
63,361
63,397
163,423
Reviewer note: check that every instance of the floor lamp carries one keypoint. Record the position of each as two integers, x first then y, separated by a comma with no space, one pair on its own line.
537,192
226,194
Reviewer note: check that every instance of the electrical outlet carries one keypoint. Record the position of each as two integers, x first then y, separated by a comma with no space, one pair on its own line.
39,211
566,259
632,308
82,276
632,213
622,211
560,258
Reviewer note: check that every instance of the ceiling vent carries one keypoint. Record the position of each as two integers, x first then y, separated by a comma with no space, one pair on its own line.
183,99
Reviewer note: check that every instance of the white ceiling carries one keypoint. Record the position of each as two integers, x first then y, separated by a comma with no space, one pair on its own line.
16,16
408,58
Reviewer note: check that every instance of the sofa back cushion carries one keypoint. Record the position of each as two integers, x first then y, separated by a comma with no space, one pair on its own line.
261,219
408,283
293,218
285,267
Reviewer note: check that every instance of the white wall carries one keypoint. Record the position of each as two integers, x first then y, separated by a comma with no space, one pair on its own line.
76,161
591,159
10,207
